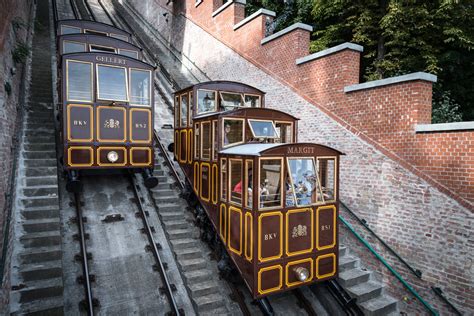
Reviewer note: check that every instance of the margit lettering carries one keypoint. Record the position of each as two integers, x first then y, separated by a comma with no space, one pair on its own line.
300,150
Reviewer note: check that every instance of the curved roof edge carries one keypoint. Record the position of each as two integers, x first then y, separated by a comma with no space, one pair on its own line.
223,113
256,149
219,81
97,36
95,22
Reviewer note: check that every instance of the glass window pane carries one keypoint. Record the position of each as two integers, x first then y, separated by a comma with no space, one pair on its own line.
285,132
184,110
233,132
71,47
214,140
190,111
197,141
101,49
206,141
121,37
206,101
327,176
270,183
302,183
95,32
79,81
252,101
128,53
236,181
249,183
263,129
230,100
224,179
140,87
70,30
176,112
112,83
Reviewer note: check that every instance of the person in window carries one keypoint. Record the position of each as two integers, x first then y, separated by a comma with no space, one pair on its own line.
226,133
264,193
249,190
290,200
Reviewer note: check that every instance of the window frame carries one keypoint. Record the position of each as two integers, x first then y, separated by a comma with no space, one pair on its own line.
291,127
335,177
102,46
190,108
259,163
246,174
98,85
215,101
317,178
197,127
130,70
201,136
254,95
74,42
127,50
229,189
176,111
91,64
215,142
221,178
72,27
259,120
230,92
243,131
119,36
94,32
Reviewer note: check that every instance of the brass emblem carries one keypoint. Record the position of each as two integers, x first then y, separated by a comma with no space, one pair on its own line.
299,231
111,123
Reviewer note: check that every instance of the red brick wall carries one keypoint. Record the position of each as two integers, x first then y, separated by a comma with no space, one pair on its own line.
385,116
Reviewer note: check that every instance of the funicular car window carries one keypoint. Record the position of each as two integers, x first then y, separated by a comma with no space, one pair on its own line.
79,81
214,140
190,109
270,182
233,132
302,186
285,130
70,30
140,87
128,53
197,142
223,179
327,176
252,101
206,143
263,129
206,101
235,182
121,37
111,83
184,110
248,183
73,47
176,111
231,100
95,32
101,49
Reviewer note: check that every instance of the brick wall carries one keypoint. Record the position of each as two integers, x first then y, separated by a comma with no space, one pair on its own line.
10,73
425,225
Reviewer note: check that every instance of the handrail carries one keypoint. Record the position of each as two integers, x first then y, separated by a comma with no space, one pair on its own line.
417,272
395,273
168,159
439,293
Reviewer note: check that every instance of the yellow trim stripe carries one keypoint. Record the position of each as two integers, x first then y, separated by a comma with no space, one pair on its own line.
80,164
334,227
260,291
288,233
333,272
280,215
236,210
287,282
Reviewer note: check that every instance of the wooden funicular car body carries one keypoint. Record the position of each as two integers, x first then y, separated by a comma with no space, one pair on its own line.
273,201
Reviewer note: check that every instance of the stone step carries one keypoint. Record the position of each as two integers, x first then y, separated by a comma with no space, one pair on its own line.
192,264
197,276
162,186
188,253
353,277
40,201
379,306
41,289
177,224
39,132
181,233
172,216
41,172
33,163
170,199
184,243
49,146
41,115
342,250
41,225
45,154
42,239
52,306
203,288
170,208
44,125
163,178
39,139
41,181
208,302
365,291
32,213
164,192
46,190
348,262
41,270
41,254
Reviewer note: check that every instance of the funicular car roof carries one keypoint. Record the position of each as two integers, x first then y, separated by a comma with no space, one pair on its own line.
88,24
98,40
215,85
257,149
241,111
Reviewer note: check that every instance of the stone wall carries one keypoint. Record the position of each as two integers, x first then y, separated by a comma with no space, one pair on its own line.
14,27
407,208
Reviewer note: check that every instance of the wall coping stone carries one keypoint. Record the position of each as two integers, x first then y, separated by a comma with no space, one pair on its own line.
227,4
329,51
253,16
383,82
444,127
287,30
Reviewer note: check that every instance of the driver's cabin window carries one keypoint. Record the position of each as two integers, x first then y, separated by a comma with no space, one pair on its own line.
230,100
206,101
270,182
327,176
112,83
263,129
252,101
79,81
285,132
233,132
302,187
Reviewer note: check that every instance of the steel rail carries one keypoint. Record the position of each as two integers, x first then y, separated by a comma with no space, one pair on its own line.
305,303
74,9
85,265
92,15
154,248
107,13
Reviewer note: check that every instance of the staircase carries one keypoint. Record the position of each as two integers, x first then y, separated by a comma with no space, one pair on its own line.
37,284
361,284
201,281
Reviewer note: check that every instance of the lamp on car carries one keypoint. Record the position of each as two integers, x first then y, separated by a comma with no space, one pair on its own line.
302,274
112,156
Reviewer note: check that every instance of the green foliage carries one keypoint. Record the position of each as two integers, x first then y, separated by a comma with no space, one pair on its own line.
20,53
445,110
399,37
